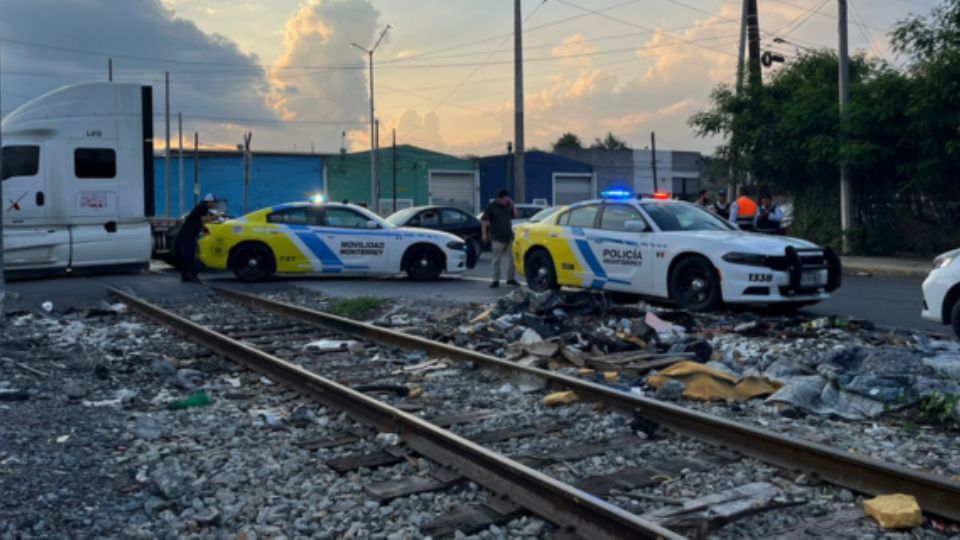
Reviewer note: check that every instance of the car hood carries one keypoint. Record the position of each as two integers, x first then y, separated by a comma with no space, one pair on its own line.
740,241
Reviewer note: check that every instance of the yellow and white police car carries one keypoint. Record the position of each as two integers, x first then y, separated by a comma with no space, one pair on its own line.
672,250
331,238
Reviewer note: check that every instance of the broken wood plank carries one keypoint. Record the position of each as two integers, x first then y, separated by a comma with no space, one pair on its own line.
393,489
843,525
576,452
648,475
446,421
370,460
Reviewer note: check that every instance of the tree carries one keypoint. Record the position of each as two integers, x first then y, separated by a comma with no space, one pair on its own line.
568,140
610,142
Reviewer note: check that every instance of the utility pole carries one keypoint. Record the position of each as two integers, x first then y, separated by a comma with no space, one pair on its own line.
196,168
168,201
518,168
246,170
753,40
743,46
110,69
374,183
394,169
180,158
653,159
846,202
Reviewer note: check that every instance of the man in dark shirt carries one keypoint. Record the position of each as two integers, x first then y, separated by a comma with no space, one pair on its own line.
497,228
187,237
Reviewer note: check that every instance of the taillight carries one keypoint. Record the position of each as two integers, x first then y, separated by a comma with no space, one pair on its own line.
206,232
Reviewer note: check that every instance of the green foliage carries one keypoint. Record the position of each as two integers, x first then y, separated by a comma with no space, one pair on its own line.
356,308
900,140
568,140
610,142
940,409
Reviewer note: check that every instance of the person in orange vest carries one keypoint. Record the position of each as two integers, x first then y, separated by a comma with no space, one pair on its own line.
743,210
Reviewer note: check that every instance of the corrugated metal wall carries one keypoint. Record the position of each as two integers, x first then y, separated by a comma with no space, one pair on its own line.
539,168
274,179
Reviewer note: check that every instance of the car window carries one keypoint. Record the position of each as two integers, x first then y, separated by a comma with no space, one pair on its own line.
615,216
429,218
583,216
684,217
344,218
543,214
453,217
400,217
303,215
20,161
527,212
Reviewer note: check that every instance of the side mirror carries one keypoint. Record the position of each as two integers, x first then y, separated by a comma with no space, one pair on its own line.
371,224
636,225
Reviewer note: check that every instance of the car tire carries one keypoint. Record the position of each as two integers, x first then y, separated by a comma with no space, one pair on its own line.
252,262
695,285
955,318
424,264
475,246
540,272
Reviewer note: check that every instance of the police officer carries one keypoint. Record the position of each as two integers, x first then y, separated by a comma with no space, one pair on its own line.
769,216
743,210
721,206
187,237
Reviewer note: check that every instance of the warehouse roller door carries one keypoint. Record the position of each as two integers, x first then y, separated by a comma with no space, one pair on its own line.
571,188
456,189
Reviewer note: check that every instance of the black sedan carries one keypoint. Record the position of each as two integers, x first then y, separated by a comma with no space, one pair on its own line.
442,218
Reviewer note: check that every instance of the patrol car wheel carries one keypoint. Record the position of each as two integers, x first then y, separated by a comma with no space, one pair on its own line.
694,285
541,275
252,262
424,264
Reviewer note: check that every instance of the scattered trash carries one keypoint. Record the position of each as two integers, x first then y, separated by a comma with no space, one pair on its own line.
47,306
415,392
189,378
707,384
334,345
266,382
62,439
610,376
197,399
560,398
388,439
529,337
897,511
507,388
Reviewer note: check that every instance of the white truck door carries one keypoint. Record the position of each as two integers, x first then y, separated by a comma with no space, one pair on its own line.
30,241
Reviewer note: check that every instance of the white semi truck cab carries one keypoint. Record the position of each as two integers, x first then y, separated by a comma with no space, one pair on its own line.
78,180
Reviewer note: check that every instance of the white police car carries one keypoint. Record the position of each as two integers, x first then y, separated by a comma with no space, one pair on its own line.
673,250
941,291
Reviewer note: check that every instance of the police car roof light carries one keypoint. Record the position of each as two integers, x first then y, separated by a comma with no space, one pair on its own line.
661,196
616,194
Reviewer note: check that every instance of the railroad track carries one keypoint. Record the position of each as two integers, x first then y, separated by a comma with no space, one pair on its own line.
579,508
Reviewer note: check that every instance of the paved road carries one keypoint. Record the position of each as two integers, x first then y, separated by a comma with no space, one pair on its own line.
891,302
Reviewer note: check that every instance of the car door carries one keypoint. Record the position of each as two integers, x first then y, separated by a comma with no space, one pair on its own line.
574,258
356,247
456,222
625,256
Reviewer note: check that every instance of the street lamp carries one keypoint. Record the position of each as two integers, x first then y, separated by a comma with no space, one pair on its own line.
374,183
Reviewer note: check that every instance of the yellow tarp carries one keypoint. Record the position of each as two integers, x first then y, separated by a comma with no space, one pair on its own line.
897,511
560,398
707,384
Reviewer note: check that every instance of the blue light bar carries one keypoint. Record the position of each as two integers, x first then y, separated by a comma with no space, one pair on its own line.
616,194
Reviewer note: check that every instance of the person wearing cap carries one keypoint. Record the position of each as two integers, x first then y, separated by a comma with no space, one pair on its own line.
769,216
187,237
743,210
721,206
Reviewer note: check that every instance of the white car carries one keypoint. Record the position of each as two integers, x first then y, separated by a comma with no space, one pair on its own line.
307,238
672,250
941,291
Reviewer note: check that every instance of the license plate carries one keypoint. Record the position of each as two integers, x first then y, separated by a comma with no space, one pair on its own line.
810,279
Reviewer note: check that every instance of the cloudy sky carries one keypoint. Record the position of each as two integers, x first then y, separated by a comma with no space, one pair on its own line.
285,69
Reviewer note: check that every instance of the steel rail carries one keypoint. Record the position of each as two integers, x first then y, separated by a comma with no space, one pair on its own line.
936,495
561,504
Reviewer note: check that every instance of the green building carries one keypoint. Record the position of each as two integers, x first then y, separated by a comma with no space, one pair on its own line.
422,177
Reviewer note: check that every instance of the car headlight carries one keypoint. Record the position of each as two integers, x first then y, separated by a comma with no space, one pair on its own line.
456,245
944,260
749,259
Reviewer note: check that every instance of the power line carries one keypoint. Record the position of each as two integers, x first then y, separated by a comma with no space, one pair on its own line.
800,20
863,30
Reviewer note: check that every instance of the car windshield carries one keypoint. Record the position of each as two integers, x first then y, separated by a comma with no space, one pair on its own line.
375,218
400,217
543,214
684,217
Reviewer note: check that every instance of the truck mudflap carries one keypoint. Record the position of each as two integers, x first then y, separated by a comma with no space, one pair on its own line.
804,266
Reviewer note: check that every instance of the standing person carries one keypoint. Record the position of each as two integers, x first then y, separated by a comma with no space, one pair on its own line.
187,237
497,226
703,200
743,210
721,206
769,216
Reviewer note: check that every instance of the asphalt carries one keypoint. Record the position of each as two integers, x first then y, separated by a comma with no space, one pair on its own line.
891,302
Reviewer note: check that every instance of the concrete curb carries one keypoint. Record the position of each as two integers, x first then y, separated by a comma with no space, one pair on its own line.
884,270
